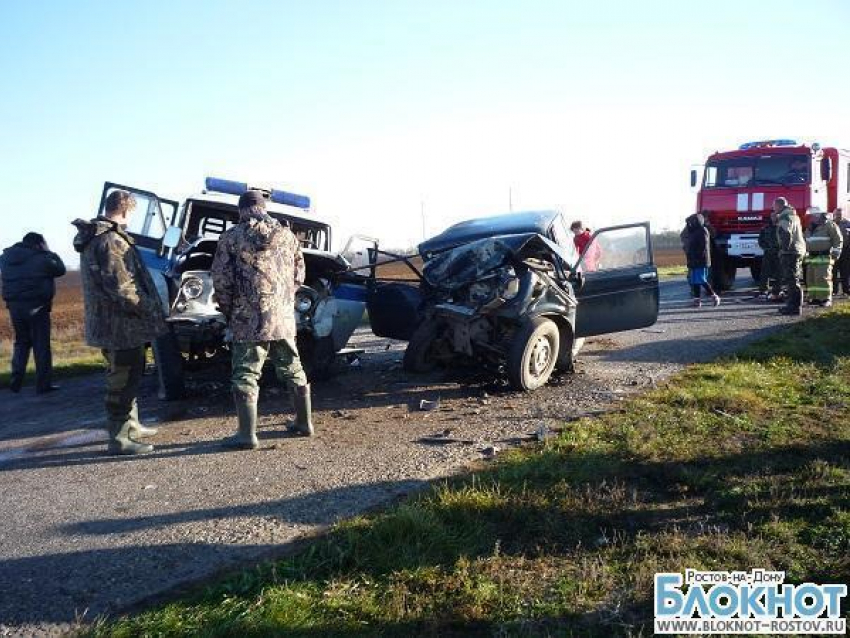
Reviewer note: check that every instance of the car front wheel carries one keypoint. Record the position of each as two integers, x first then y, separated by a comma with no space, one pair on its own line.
533,354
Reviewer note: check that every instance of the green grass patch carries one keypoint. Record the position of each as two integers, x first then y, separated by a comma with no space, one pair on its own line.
733,465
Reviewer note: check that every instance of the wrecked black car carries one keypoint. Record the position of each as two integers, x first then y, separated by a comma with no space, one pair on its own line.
511,293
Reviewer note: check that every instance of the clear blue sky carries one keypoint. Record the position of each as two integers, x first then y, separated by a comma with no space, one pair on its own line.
374,107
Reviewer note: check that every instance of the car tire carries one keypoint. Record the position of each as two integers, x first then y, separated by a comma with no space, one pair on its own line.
169,367
533,354
418,356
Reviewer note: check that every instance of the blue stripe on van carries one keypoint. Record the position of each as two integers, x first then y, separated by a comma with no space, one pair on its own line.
350,292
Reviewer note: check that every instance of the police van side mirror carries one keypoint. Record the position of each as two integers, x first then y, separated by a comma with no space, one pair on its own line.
172,238
693,178
825,169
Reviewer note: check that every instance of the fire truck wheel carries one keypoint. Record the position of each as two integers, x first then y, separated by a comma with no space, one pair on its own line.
755,270
723,274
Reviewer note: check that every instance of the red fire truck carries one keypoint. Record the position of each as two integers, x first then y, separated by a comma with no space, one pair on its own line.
738,188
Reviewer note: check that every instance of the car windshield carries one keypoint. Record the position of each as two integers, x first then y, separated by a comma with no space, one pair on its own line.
757,171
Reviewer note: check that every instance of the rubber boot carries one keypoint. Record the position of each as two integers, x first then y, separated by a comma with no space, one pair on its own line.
246,415
303,411
120,442
137,430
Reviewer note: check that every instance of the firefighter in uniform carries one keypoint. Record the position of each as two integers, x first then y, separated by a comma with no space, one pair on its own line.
823,246
841,269
258,268
769,244
792,250
123,313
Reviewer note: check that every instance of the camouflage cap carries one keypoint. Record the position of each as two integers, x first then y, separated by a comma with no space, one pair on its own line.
252,198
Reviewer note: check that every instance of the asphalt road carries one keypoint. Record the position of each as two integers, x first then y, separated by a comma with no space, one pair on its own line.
85,534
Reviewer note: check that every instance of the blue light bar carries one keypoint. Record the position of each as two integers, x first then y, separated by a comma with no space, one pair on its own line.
764,143
232,187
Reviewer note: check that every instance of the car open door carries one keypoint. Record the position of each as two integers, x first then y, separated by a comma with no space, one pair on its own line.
393,298
620,289
151,218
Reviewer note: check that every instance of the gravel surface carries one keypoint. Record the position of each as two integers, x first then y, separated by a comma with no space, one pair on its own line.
88,534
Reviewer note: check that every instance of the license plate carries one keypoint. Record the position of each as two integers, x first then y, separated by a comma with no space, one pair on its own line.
744,247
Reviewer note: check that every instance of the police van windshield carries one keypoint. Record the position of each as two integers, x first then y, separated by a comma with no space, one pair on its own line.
757,171
206,221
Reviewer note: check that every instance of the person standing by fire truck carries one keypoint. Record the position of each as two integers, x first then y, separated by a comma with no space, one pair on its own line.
792,250
841,269
769,276
696,241
823,246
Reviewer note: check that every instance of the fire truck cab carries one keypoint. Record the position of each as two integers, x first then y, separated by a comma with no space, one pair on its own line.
738,187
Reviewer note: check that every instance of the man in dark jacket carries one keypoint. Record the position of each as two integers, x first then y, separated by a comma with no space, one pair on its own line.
770,272
28,270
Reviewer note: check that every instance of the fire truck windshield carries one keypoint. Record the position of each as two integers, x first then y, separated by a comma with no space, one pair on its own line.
741,172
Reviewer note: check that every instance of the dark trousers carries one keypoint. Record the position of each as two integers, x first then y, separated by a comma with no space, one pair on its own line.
123,376
770,273
791,267
695,290
841,273
32,332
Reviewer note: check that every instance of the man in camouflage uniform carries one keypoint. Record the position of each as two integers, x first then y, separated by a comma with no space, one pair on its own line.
123,313
841,269
769,277
258,268
823,245
792,250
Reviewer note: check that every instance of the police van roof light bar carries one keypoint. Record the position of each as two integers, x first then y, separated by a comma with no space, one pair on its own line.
231,187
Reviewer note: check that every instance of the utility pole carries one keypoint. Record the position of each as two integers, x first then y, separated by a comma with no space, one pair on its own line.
422,213
510,199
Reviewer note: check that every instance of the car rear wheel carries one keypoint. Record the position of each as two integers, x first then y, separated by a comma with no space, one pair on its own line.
533,354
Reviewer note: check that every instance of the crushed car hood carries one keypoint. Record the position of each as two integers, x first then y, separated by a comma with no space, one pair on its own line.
471,262
519,223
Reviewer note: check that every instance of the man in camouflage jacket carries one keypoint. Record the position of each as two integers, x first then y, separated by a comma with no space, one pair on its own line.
792,251
257,270
123,313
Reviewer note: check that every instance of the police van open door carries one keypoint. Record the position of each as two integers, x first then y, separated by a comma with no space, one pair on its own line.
620,290
148,223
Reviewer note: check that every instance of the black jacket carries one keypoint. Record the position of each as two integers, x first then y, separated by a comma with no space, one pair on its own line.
697,243
28,275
